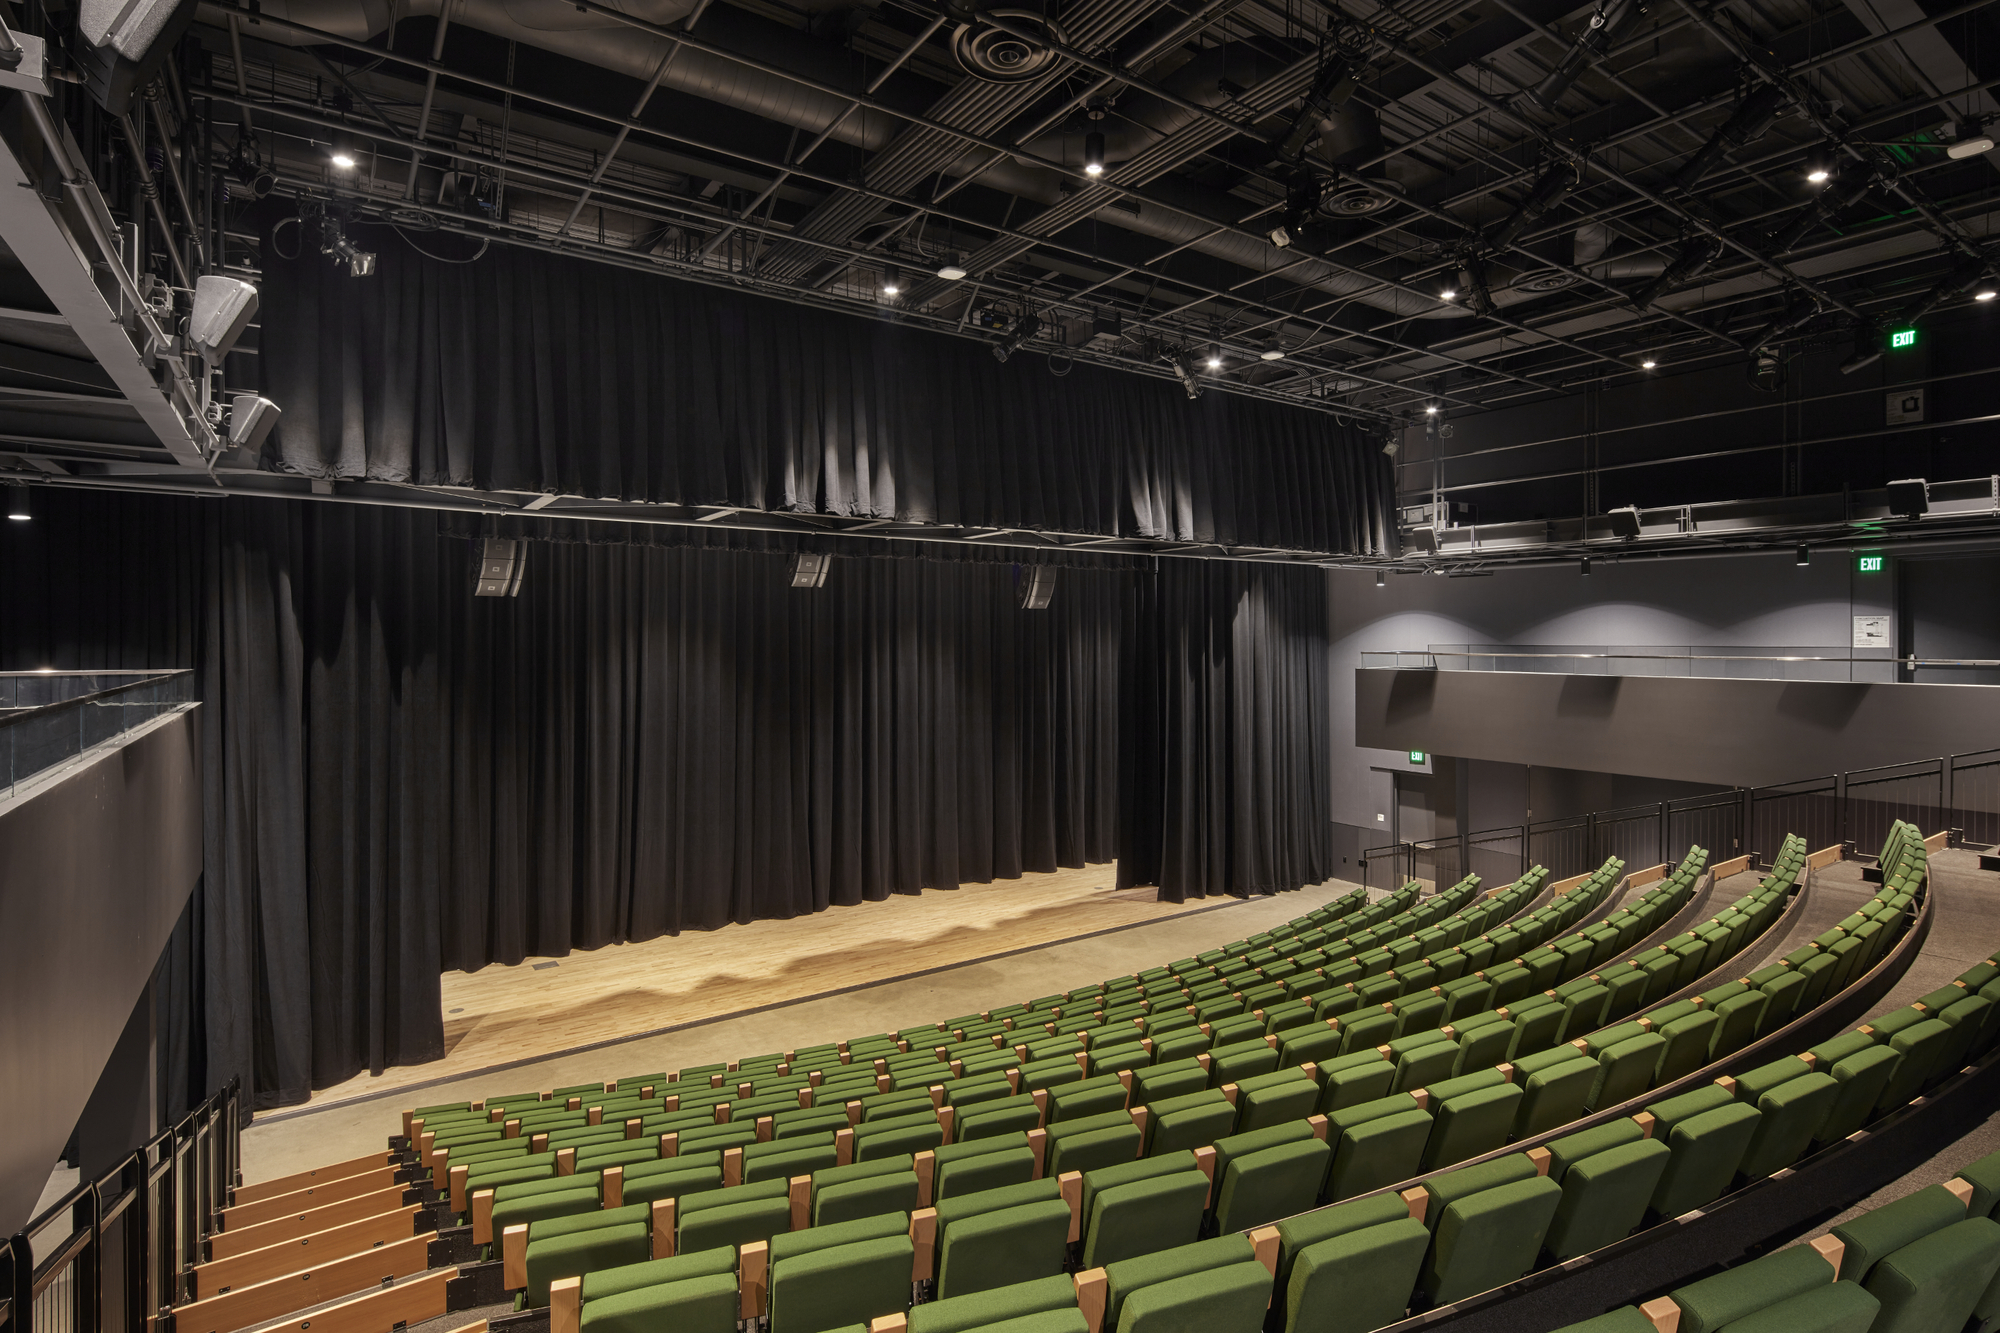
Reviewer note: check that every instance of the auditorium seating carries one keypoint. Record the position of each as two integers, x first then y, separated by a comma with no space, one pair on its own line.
1926,1263
1000,1175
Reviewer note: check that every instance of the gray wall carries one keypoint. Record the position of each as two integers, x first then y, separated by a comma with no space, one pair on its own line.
1748,601
94,870
1747,732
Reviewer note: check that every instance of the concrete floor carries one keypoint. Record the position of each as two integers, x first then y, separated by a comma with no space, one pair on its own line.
280,1143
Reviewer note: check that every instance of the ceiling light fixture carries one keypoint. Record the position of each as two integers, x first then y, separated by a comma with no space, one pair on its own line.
1802,556
17,503
1450,293
952,269
342,161
1381,579
1985,294
1648,364
1093,153
892,281
1965,148
1276,351
1214,357
1586,566
1818,175
1430,409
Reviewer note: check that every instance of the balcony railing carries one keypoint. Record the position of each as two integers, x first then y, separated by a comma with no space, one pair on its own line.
1724,663
48,718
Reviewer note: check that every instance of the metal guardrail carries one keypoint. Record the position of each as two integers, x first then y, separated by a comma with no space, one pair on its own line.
1428,659
118,1251
1958,794
48,717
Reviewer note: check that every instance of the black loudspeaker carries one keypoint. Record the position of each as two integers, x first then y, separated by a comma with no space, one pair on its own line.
1909,499
501,564
1037,583
1624,522
809,569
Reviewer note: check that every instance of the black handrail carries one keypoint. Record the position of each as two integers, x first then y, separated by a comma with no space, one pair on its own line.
14,715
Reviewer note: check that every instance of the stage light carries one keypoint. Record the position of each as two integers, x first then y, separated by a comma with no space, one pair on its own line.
1381,579
223,308
1214,357
1556,181
1965,148
1802,556
1648,364
1026,327
341,161
17,503
1751,121
1430,409
892,281
952,269
1818,175
333,241
1586,566
1093,153
1183,365
1985,294
1594,40
1450,293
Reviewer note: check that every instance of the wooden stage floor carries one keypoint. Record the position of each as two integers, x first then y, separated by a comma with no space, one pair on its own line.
500,1015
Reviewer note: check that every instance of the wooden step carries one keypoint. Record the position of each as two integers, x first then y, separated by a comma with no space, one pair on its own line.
266,1189
382,1311
273,1298
291,1256
303,1223
241,1214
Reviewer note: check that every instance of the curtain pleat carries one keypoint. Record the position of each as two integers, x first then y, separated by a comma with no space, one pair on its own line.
402,779
538,373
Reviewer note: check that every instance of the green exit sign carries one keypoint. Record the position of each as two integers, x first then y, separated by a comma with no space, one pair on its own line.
1903,338
1416,756
1869,564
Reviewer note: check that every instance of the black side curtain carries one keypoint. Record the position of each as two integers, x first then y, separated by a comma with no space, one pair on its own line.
401,778
535,373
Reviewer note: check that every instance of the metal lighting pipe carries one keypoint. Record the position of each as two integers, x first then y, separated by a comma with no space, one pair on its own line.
928,123
150,188
430,85
79,185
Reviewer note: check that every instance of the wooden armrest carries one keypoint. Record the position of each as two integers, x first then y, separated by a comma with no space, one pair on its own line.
595,1116
765,1129
1417,1199
1038,1144
1071,1183
799,1189
1318,1123
889,1323
482,1217
565,1305
1205,1159
1961,1188
612,1190
634,1126
947,1118
925,1163
457,1176
1093,1289
1540,1157
1831,1249
854,1112
1646,1121
538,1144
843,1147
923,1237
753,1269
732,1167
1268,1244
514,1257
1664,1315
565,1161
670,1145
663,1222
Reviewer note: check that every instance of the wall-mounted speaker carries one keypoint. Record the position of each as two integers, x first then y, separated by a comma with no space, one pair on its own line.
501,564
1624,521
223,308
1037,583
809,569
251,419
129,40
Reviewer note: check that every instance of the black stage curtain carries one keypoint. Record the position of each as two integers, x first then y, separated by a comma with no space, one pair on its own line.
535,373
402,778
1228,731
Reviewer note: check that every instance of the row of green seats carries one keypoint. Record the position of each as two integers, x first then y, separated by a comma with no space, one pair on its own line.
468,1149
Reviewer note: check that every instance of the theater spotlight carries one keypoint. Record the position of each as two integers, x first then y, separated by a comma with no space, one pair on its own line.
223,308
333,243
17,502
1184,370
1025,327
